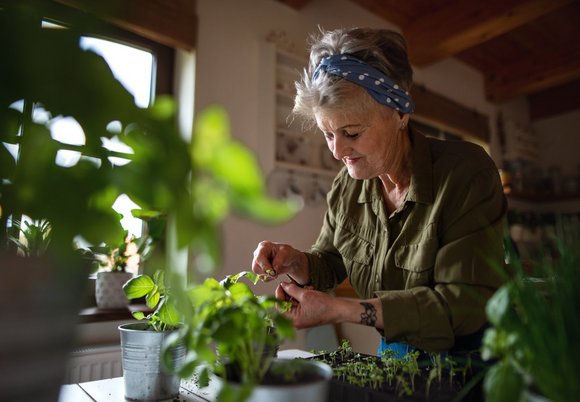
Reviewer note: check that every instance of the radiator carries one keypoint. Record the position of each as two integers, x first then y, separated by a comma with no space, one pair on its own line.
94,363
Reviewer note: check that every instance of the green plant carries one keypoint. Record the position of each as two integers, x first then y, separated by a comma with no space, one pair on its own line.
193,185
164,316
121,257
231,332
535,332
396,375
33,238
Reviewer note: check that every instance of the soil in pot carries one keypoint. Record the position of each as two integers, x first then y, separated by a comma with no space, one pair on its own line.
290,380
359,377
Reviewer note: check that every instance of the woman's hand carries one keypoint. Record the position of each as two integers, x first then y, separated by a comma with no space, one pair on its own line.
310,308
274,259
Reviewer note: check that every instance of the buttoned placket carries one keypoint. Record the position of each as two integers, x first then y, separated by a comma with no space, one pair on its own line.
382,241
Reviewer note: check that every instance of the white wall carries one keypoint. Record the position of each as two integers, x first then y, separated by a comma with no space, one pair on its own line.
559,139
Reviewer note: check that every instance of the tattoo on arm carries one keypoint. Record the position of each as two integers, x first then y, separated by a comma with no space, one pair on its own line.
369,316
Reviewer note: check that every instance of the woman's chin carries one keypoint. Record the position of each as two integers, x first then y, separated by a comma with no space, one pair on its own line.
357,174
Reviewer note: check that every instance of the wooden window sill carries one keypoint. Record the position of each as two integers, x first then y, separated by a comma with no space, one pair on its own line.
93,314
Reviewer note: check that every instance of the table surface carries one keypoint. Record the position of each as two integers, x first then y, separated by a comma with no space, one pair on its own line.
113,389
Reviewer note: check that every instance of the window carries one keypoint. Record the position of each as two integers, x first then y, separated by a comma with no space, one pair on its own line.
143,67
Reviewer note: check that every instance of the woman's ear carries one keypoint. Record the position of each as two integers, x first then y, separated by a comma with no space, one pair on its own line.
404,121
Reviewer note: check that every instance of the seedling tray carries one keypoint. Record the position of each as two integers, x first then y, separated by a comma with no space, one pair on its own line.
357,388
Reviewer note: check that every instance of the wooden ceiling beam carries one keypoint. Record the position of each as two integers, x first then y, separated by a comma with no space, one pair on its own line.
555,101
530,76
465,24
172,23
295,4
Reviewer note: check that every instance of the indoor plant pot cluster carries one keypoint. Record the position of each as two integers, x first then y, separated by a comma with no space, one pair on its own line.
230,337
194,189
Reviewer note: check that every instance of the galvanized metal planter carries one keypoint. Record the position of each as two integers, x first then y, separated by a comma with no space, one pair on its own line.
146,378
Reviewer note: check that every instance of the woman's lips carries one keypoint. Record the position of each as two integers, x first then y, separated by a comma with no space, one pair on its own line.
350,161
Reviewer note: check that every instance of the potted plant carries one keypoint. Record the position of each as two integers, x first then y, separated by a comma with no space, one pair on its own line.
32,238
148,371
413,377
533,341
231,337
194,188
115,265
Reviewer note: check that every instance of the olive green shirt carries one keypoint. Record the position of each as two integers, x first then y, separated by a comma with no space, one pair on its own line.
433,262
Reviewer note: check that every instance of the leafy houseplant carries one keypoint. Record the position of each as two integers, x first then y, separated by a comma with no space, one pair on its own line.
534,338
194,188
33,238
148,371
116,265
231,337
225,327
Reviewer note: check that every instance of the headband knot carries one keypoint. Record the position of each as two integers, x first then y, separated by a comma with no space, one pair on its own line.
381,87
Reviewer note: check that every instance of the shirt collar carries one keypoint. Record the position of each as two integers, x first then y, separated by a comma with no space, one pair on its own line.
421,187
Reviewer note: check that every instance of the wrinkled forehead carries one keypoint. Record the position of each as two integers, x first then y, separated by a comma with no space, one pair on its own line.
355,107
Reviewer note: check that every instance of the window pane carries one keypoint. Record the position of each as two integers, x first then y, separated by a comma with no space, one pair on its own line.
131,66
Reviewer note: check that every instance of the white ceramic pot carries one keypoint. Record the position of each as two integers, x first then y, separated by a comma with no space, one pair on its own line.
109,290
311,384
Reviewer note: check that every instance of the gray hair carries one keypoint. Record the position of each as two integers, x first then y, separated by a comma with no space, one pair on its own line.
384,49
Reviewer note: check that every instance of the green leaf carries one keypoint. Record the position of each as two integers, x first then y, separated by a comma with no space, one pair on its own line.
169,314
211,132
138,286
498,306
240,292
203,377
502,383
138,315
265,209
163,108
153,297
284,327
235,165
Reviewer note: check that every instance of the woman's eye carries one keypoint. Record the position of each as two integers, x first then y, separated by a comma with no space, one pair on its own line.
329,136
351,135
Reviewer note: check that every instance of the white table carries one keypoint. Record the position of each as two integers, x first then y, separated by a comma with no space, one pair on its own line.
113,389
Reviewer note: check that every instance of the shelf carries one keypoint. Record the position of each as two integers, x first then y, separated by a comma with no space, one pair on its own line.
543,198
93,314
305,169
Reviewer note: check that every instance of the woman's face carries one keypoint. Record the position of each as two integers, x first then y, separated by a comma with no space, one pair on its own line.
369,143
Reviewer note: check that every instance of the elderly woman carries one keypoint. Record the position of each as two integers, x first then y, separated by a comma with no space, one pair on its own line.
415,223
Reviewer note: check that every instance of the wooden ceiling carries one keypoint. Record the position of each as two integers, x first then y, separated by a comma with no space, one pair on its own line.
525,48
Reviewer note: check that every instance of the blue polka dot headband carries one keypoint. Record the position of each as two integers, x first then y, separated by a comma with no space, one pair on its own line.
377,84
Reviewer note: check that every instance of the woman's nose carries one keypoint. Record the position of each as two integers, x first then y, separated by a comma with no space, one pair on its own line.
339,148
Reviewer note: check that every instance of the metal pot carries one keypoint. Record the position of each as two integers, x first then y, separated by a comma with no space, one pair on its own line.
145,376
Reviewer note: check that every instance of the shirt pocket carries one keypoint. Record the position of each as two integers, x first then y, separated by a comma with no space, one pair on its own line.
357,255
417,258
